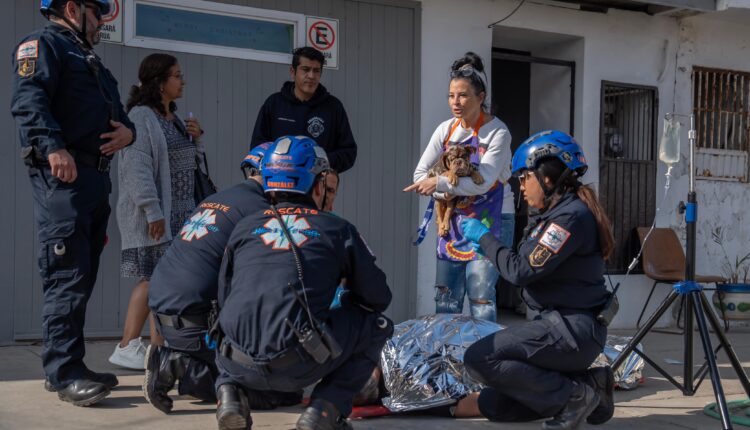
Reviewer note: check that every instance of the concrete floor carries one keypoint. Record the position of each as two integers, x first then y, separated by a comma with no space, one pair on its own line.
25,405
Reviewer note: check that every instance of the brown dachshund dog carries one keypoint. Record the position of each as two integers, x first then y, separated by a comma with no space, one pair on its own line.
453,164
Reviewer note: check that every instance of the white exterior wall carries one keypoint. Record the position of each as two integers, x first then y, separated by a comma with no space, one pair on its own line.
711,41
619,46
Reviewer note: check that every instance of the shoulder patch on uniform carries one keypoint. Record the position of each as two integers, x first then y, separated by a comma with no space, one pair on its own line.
554,237
28,49
539,256
26,67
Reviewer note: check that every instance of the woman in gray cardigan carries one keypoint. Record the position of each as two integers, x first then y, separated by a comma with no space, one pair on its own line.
156,185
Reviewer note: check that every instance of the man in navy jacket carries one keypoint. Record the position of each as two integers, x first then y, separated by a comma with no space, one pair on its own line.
305,107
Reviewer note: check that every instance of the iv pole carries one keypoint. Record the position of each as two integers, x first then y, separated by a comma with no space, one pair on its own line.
696,304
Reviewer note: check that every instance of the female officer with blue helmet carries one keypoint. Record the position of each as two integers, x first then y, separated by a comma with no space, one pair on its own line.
539,369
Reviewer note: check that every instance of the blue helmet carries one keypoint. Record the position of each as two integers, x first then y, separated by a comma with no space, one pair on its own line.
292,163
549,144
254,156
104,6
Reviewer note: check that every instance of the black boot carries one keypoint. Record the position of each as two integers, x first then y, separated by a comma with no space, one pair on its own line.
107,379
232,412
582,401
603,382
322,415
83,392
163,368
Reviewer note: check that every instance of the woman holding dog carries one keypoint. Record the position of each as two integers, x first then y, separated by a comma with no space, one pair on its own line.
460,270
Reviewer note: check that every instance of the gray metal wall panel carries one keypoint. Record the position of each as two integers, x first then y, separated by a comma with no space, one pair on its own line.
8,159
376,81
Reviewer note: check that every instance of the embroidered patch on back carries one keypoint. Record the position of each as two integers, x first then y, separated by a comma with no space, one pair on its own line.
539,256
199,225
554,237
272,233
28,49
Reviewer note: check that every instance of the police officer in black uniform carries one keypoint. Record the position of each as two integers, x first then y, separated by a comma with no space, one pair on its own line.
182,289
539,369
278,278
71,121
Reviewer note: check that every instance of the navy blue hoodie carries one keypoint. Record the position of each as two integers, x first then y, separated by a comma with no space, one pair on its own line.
322,118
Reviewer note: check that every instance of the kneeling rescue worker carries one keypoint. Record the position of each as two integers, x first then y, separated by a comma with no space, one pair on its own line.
540,369
278,278
183,287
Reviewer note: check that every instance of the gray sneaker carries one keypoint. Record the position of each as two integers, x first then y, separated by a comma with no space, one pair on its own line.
132,356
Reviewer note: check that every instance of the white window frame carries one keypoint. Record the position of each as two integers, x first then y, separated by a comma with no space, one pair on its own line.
295,19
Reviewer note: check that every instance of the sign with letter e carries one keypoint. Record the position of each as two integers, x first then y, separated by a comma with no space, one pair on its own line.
112,23
323,35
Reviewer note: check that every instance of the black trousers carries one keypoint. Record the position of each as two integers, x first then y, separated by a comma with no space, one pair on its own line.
71,220
361,340
199,372
529,369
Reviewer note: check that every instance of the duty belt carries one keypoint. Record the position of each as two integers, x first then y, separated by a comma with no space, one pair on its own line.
183,321
99,162
283,361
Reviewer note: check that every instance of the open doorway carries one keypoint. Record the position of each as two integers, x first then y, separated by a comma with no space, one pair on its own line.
533,89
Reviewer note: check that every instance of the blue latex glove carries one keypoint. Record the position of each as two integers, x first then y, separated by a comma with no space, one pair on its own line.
336,303
477,248
473,229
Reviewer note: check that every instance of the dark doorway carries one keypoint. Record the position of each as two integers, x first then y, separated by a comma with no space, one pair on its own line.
511,102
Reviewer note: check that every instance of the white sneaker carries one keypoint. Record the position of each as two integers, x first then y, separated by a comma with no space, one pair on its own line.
130,357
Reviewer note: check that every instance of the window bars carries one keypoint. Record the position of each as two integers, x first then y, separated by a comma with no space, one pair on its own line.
721,103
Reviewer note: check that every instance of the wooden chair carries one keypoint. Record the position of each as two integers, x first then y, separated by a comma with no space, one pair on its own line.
664,262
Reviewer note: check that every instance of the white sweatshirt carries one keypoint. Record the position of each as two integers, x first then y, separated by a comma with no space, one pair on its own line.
494,164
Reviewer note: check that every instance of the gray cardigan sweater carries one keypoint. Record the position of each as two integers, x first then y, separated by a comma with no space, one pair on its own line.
145,189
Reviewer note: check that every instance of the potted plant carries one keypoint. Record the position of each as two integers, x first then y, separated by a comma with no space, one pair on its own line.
732,298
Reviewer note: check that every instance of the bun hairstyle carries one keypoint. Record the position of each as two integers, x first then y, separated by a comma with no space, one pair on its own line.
471,68
153,72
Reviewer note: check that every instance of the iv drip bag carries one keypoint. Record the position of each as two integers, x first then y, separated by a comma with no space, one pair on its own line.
669,145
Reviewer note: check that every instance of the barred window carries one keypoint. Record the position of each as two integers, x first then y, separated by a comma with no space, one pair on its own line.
721,104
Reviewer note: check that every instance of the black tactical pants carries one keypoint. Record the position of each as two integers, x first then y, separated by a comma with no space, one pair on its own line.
199,373
361,341
71,220
529,369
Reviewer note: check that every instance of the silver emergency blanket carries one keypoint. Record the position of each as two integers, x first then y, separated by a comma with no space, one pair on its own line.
423,363
628,375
